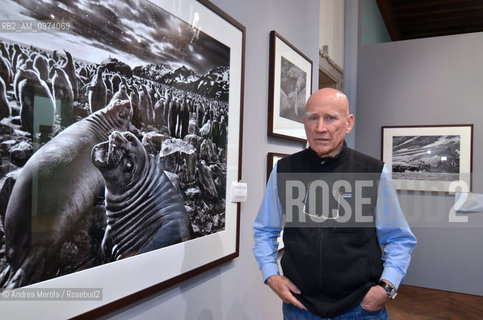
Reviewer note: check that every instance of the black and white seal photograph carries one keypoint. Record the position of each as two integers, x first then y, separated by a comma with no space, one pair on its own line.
290,85
292,91
113,135
434,158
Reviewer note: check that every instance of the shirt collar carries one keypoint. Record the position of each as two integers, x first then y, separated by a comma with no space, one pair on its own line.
330,159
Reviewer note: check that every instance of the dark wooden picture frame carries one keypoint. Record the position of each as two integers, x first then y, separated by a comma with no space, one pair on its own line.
290,85
136,277
434,158
272,158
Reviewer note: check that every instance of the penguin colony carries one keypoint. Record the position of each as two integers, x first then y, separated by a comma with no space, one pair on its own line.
70,87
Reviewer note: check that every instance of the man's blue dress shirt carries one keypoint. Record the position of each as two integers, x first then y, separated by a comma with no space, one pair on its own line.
393,231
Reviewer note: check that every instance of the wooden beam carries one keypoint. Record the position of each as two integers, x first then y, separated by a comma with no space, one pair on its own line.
463,18
445,10
447,24
389,19
437,33
418,4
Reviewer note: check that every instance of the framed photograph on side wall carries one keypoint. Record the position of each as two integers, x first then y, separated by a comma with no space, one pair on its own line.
123,131
272,158
290,85
436,158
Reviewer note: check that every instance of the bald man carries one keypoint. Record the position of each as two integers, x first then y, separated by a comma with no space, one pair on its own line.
339,207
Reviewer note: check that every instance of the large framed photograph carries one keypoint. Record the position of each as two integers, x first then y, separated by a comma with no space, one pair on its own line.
435,158
120,130
290,85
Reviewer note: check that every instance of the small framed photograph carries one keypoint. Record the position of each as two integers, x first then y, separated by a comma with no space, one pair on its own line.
272,158
436,158
290,85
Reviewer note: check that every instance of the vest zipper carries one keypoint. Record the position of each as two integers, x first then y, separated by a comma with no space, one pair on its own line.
321,248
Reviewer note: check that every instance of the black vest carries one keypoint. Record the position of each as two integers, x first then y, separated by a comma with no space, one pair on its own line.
333,263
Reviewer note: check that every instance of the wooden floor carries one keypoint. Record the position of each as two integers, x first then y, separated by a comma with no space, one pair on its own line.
414,303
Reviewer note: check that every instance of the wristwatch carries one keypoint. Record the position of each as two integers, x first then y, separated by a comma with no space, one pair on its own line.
391,291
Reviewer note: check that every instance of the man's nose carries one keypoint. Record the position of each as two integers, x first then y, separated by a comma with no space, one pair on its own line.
321,125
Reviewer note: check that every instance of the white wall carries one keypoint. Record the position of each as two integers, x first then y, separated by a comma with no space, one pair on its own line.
422,82
332,29
235,290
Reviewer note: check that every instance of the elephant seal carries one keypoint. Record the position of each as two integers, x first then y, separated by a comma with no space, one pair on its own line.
144,210
55,193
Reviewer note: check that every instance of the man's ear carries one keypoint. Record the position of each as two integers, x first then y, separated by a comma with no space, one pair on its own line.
350,123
